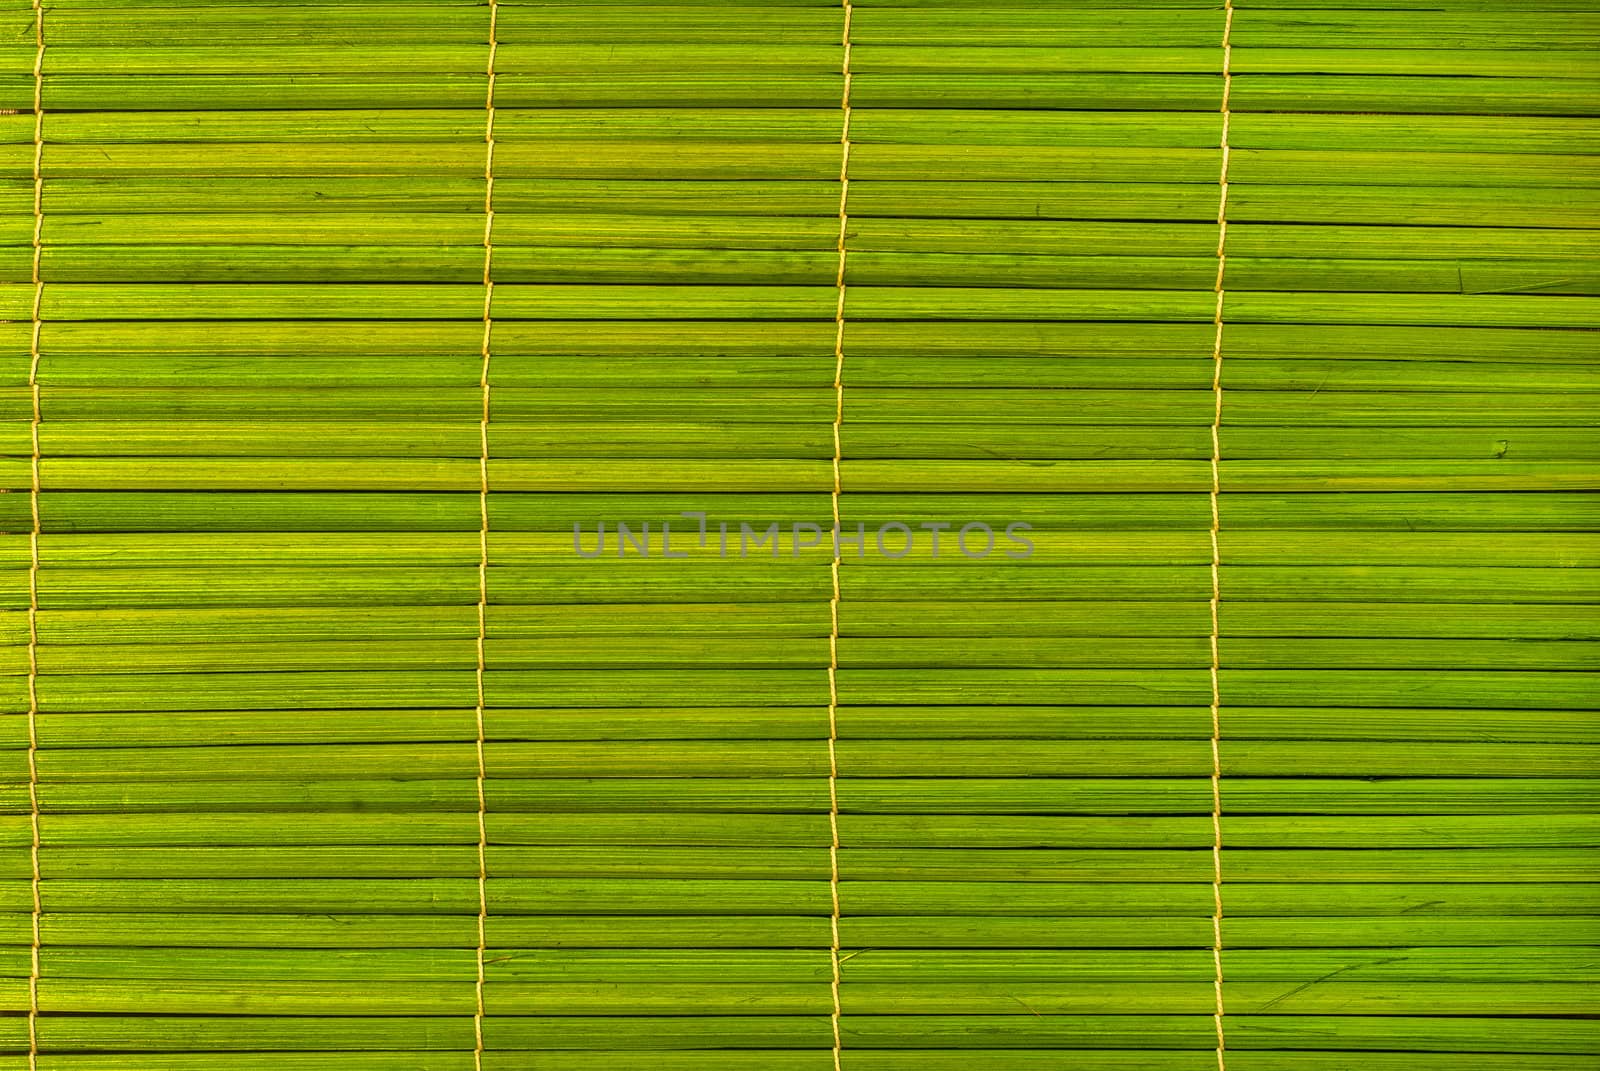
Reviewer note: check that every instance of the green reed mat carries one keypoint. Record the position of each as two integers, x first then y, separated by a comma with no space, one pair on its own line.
424,426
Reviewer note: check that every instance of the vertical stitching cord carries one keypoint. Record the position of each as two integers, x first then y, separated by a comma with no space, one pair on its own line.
1216,544
483,530
33,540
833,603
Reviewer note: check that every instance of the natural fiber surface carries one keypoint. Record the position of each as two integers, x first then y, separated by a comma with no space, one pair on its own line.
1262,746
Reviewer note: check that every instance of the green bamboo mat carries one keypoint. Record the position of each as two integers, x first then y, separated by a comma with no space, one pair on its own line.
1259,739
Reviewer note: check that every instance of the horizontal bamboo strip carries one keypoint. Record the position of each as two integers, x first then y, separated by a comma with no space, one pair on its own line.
1471,865
754,405
216,264
808,83
623,652
145,625
752,830
1001,197
287,439
774,932
763,579
749,830
911,125
1080,239
912,760
756,897
866,967
1081,546
710,1060
1094,155
796,1060
704,339
766,578
972,793
820,57
780,723
1018,1029
751,476
772,999
222,301
411,383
